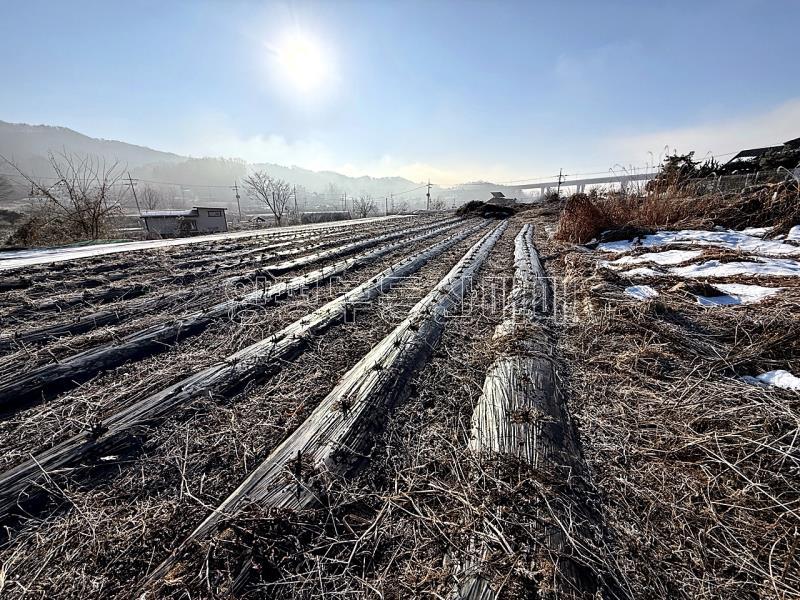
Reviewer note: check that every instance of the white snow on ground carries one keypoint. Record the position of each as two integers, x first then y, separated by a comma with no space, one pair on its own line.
765,267
758,232
780,378
737,293
668,257
733,240
23,258
794,234
641,292
643,272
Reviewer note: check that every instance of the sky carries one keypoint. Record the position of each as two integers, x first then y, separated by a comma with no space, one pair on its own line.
446,91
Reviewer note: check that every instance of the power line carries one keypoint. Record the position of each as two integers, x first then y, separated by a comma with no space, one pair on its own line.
555,176
423,186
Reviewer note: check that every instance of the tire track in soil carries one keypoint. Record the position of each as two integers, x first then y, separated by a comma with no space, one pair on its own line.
140,506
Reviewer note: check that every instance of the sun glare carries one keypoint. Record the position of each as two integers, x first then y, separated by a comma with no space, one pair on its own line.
303,62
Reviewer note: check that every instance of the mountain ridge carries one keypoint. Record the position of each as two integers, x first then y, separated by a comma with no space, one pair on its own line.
28,146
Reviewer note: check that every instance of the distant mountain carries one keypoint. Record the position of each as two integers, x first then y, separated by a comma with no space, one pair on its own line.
325,181
28,146
183,180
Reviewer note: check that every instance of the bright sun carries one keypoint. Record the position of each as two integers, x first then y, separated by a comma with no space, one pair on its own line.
303,62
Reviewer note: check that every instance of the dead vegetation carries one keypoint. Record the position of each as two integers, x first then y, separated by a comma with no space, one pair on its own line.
487,210
79,203
586,216
697,468
682,480
76,502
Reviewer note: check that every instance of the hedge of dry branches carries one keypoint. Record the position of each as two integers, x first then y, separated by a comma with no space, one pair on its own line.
586,216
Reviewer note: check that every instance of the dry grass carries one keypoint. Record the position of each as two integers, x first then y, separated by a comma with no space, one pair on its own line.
103,532
698,470
586,216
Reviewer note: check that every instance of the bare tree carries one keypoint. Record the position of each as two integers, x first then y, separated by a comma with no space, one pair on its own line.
6,189
363,206
85,197
437,204
274,193
150,198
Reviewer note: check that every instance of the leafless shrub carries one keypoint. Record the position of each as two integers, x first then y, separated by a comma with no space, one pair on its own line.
581,220
79,203
437,204
150,198
401,207
270,191
363,206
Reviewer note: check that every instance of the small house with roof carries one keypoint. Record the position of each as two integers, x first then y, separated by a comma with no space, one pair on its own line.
199,219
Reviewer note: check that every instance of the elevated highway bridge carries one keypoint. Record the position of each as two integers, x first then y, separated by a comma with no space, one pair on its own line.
580,184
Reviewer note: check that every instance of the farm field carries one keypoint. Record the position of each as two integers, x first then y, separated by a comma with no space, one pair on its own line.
399,300
449,406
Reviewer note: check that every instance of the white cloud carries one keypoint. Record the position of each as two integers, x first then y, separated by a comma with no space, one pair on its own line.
764,129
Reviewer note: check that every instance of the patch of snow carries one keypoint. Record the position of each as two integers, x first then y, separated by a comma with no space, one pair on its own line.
643,272
724,300
758,232
668,257
780,378
738,293
733,240
641,292
765,267
794,234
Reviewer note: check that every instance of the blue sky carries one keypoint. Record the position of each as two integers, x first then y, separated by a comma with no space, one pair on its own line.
454,91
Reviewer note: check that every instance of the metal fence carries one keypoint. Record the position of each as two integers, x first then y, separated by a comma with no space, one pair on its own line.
731,184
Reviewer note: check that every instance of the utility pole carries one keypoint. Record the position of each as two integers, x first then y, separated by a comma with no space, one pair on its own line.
392,197
428,197
294,191
235,188
133,189
558,192
386,206
136,199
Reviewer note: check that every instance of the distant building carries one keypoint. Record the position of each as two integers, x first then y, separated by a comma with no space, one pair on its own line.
200,219
755,153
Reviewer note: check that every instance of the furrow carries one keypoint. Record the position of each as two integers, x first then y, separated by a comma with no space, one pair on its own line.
55,377
337,434
258,361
